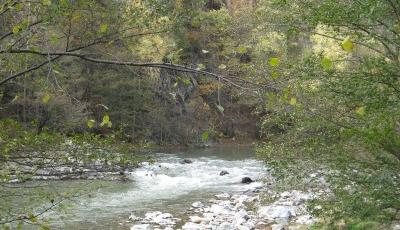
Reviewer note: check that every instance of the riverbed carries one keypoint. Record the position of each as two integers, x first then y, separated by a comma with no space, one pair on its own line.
168,185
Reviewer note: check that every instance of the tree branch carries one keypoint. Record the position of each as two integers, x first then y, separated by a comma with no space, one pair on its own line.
11,33
86,57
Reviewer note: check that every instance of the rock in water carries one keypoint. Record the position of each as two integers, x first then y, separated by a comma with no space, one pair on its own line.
223,172
186,161
247,180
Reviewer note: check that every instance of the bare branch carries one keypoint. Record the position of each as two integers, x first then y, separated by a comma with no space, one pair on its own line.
86,57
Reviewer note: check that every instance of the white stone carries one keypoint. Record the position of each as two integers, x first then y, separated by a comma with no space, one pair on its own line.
273,212
142,227
305,219
197,204
191,226
277,227
223,196
225,226
132,217
196,219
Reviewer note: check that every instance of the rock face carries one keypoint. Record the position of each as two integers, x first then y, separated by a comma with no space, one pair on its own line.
247,180
223,173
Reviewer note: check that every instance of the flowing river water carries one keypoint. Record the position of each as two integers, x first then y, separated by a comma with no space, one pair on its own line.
166,185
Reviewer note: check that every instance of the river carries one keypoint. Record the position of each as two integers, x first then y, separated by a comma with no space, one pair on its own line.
166,185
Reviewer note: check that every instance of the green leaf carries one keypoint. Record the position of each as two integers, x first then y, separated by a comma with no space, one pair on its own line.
46,98
274,62
205,136
220,108
326,63
91,123
53,39
103,28
18,6
200,66
347,45
222,66
274,75
32,218
46,2
293,101
360,111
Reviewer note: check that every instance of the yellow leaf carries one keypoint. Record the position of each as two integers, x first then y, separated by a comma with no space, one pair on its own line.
274,62
103,28
222,66
106,121
242,49
293,101
16,29
46,99
91,123
360,111
347,45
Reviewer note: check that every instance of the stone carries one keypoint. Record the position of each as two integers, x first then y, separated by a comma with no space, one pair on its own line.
277,227
278,213
223,172
132,217
186,161
223,196
196,219
305,219
197,204
191,226
142,227
247,180
225,226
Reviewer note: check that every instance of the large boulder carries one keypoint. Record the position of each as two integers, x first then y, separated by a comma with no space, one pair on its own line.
247,180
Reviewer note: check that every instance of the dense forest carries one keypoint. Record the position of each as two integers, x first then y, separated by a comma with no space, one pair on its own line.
99,85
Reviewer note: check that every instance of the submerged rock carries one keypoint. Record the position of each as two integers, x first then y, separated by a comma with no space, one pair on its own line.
186,161
223,172
247,180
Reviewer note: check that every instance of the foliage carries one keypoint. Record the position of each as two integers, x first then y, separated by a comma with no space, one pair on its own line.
336,105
